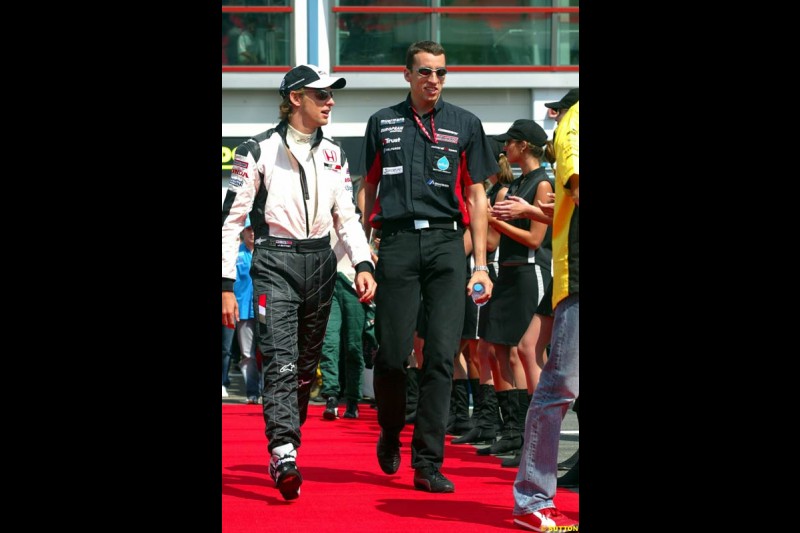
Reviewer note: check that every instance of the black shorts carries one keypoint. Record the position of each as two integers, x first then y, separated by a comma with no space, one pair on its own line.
515,299
545,307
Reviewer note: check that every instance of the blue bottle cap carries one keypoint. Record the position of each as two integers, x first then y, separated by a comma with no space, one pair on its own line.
478,287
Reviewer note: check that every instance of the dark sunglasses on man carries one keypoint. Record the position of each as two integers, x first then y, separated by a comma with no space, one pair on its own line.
425,72
321,95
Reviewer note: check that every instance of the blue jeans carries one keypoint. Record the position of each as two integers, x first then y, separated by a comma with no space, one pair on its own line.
245,331
535,485
227,340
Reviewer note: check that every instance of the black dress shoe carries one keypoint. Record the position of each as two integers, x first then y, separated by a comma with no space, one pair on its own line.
388,453
570,479
429,478
477,436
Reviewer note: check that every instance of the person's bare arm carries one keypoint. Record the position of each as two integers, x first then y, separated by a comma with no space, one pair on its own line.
532,237
493,236
467,242
230,309
515,207
479,224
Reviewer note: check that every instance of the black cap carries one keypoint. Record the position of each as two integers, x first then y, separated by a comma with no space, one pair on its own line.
308,76
525,130
565,103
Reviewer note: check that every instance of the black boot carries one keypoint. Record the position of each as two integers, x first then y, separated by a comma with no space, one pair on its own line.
569,462
511,436
475,395
523,400
571,478
484,417
459,406
512,461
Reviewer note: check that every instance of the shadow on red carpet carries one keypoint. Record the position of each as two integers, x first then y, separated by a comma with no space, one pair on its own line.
345,490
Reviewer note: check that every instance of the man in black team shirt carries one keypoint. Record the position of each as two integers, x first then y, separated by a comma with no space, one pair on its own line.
430,159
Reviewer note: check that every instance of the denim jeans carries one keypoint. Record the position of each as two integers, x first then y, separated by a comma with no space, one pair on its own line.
245,331
227,340
535,485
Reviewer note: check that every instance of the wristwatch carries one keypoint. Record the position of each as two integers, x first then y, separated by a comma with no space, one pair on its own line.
480,267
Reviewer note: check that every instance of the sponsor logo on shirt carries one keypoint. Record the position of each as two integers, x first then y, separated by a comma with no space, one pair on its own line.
238,171
235,181
447,138
392,148
392,129
444,149
239,161
393,140
392,170
330,155
437,184
447,131
332,166
392,121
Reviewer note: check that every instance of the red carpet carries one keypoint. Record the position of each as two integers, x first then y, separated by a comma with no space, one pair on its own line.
345,490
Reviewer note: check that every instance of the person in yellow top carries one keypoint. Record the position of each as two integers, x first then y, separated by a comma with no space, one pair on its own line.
535,484
565,220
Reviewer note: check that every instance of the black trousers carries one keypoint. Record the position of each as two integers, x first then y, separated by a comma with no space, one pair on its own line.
429,262
292,294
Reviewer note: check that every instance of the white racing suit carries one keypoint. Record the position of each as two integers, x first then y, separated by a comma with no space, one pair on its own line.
293,268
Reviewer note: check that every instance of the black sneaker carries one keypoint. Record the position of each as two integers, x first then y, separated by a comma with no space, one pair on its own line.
430,479
284,472
352,409
388,454
331,408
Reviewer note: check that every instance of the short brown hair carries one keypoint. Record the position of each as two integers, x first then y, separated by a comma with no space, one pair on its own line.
432,47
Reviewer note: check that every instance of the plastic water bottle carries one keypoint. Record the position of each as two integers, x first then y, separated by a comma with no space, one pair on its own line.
477,292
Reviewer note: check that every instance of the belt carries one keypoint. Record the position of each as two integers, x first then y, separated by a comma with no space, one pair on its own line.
393,226
294,245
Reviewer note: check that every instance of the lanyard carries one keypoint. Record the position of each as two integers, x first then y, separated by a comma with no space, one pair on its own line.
422,126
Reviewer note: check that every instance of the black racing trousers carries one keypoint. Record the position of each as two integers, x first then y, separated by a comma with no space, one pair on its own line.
429,262
292,293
